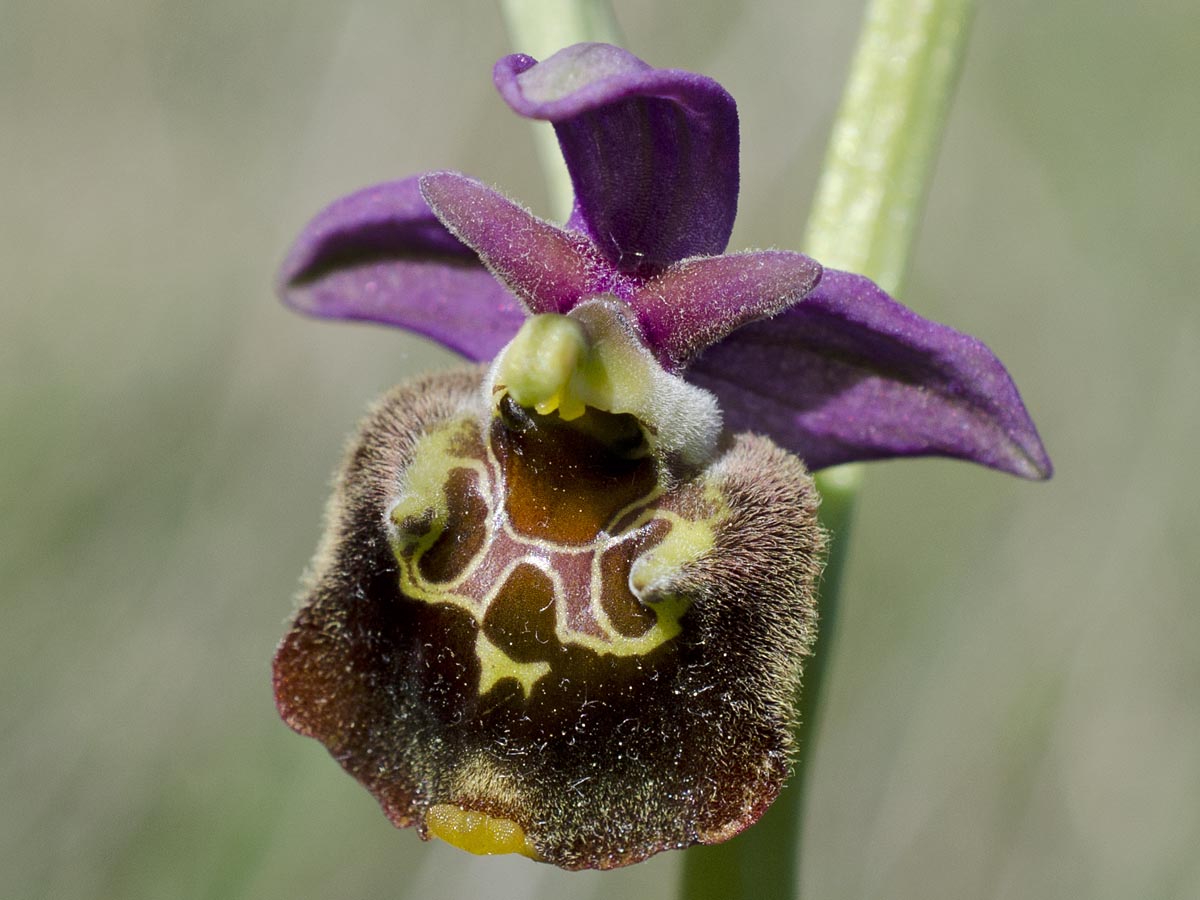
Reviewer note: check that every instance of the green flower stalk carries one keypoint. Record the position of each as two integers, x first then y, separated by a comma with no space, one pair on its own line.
865,216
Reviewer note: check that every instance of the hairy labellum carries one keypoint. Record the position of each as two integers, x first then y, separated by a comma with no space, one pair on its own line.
544,626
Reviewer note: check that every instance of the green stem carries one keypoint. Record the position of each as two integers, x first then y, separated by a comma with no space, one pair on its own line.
864,219
880,158
541,28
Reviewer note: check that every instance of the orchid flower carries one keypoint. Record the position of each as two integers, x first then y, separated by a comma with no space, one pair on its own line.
564,597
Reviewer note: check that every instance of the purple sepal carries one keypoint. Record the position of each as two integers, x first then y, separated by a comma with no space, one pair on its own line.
548,268
849,374
653,153
381,255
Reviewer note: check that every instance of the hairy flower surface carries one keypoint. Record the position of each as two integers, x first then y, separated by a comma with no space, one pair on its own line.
563,600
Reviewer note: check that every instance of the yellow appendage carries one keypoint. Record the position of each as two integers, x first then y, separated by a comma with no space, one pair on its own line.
477,832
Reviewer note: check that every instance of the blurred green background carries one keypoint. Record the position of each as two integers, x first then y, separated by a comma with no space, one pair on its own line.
1014,704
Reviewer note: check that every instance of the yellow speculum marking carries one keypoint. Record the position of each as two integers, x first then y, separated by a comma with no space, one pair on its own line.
477,832
425,479
495,665
687,541
551,366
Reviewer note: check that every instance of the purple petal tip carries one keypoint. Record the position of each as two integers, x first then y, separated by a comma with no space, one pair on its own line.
548,268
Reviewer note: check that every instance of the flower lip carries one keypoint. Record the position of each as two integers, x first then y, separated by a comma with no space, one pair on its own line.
653,153
508,635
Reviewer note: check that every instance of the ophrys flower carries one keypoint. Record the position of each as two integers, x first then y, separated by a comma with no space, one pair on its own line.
563,601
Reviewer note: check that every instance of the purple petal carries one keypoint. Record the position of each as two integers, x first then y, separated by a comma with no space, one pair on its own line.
653,153
380,255
850,374
695,303
550,269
